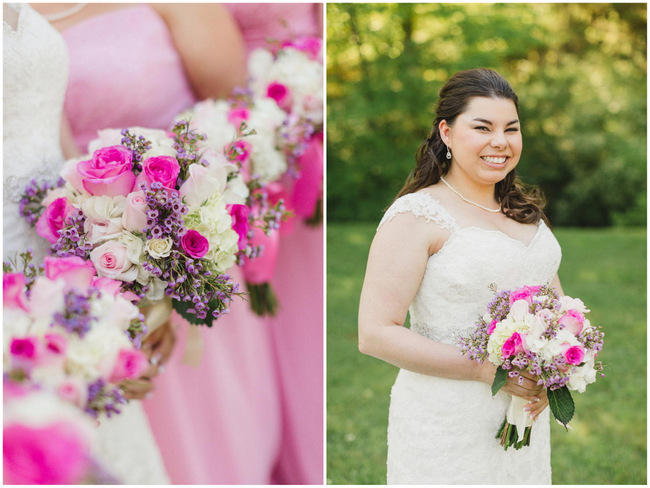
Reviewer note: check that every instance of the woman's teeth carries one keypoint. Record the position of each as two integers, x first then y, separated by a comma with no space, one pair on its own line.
494,160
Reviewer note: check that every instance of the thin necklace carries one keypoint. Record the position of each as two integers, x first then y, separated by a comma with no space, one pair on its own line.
65,13
468,200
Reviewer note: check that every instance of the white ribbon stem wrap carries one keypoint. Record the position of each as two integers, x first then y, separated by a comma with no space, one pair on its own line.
519,417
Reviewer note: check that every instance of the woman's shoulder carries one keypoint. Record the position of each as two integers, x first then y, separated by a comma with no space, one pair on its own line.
422,204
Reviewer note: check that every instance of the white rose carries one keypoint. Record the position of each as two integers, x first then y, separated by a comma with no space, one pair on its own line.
159,248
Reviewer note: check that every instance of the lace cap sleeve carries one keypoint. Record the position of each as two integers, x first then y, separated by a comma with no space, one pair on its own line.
421,205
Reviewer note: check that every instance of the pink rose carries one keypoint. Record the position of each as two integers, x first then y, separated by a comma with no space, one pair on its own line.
54,219
312,46
194,244
526,293
55,454
574,354
240,224
134,217
163,169
13,291
25,351
55,344
114,287
73,391
281,94
109,172
572,321
514,345
130,364
76,272
492,326
238,115
110,260
240,151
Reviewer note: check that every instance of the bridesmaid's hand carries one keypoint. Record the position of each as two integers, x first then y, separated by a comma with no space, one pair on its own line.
525,386
137,389
159,346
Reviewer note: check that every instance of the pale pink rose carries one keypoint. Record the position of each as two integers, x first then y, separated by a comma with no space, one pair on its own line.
281,94
47,297
238,115
110,260
114,287
526,293
109,172
134,217
194,244
130,364
492,326
514,345
13,291
99,229
76,272
312,46
53,219
240,224
573,321
574,354
56,454
163,169
73,391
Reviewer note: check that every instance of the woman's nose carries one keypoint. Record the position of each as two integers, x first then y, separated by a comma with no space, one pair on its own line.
499,140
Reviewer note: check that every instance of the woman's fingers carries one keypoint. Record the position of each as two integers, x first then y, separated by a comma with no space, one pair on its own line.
136,389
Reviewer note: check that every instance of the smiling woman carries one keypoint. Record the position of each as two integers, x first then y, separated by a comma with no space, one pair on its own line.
462,222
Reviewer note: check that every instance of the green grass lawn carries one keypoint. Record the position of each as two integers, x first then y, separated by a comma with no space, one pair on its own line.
606,268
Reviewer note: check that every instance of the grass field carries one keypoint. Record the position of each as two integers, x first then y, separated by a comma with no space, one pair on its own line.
604,267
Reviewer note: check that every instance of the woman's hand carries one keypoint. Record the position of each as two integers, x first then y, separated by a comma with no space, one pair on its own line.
525,386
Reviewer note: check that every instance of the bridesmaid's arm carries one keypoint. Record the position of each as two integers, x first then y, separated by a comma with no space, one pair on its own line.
68,145
396,265
210,45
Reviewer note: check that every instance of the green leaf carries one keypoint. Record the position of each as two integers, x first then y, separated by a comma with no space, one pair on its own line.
500,378
561,404
182,309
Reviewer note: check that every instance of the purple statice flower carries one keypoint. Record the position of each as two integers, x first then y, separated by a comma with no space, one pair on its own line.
77,317
186,144
31,205
165,214
103,397
72,238
138,145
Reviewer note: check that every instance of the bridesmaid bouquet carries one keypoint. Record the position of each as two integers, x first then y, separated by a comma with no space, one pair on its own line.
155,210
532,329
70,333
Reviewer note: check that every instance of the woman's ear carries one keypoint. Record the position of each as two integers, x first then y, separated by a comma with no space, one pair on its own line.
445,132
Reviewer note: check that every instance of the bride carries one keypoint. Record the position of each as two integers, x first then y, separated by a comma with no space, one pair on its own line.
35,66
462,221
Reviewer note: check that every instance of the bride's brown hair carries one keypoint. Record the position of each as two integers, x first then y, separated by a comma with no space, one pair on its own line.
518,201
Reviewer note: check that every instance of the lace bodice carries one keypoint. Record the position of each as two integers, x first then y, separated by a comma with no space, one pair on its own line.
35,70
454,290
441,431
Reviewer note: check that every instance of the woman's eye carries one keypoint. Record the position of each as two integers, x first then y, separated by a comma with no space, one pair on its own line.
482,127
513,129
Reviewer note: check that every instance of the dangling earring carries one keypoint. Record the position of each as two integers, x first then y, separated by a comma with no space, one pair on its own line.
448,153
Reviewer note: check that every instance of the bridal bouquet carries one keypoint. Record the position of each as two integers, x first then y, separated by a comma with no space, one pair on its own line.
155,210
291,74
532,329
70,333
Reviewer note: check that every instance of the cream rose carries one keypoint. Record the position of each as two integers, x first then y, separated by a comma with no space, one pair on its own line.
159,248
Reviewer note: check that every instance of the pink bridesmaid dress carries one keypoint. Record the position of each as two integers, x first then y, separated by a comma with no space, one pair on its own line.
298,282
219,423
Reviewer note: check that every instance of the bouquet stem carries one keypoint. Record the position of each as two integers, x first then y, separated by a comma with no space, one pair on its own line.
262,299
508,436
317,217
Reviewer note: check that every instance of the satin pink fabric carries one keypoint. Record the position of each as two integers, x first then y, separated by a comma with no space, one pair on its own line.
252,413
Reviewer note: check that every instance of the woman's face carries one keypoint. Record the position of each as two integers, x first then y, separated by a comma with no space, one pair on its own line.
485,140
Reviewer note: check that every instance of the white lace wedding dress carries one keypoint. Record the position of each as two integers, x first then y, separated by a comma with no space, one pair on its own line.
442,431
35,75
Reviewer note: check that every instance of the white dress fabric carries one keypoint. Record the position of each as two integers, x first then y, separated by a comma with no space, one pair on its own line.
442,431
35,69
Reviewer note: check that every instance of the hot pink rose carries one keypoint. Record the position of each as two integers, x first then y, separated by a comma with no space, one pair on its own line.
130,364
492,326
13,291
514,345
572,321
281,94
574,354
25,351
241,151
56,454
55,344
54,219
76,272
310,45
163,169
526,293
194,244
110,260
238,115
134,217
240,224
109,172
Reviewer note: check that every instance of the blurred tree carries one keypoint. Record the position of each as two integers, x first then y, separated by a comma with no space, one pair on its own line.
579,71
